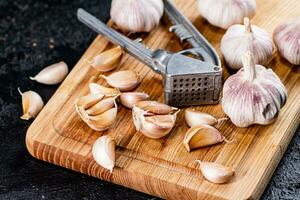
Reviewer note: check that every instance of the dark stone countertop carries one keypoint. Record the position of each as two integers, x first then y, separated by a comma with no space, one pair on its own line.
34,34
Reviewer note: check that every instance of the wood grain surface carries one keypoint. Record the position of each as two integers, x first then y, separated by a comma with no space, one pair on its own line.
163,167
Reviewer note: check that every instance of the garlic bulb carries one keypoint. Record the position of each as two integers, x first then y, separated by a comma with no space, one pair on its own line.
99,89
287,40
104,152
215,172
123,80
151,124
129,99
224,13
52,74
239,39
196,118
98,113
136,15
107,60
32,104
254,95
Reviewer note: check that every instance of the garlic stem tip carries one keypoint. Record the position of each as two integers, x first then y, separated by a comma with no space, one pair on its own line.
20,92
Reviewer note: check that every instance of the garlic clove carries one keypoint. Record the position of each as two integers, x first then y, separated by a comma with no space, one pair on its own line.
123,80
129,99
100,89
89,100
32,104
155,107
52,74
197,118
202,136
226,12
287,40
104,152
101,106
103,121
215,173
107,60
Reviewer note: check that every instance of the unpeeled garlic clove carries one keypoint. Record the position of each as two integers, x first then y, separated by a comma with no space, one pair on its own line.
101,106
197,118
32,104
107,60
154,107
96,88
52,74
123,80
104,120
129,99
89,100
287,40
202,136
215,173
104,152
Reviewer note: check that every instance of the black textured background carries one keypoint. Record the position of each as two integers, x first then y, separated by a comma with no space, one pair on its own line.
34,34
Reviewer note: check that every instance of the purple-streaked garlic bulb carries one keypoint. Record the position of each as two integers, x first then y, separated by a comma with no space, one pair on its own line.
254,95
287,40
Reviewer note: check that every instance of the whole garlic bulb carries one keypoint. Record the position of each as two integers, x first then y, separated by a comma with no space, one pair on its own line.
224,13
136,15
254,95
239,39
287,40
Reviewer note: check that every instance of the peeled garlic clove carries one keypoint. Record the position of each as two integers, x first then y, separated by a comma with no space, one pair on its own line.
136,15
202,136
101,106
129,99
99,89
215,172
89,100
107,60
197,118
226,12
287,40
239,39
123,80
32,104
104,152
155,107
52,74
254,95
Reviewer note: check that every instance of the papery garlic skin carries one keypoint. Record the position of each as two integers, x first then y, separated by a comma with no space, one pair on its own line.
224,13
239,39
52,74
136,15
254,95
103,152
287,40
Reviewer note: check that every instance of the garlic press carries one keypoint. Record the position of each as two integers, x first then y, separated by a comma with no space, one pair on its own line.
190,77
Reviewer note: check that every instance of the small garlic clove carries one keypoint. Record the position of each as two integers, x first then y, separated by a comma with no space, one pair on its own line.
123,80
101,106
99,89
202,136
129,99
155,107
107,60
197,118
215,173
52,74
103,121
89,100
104,152
32,104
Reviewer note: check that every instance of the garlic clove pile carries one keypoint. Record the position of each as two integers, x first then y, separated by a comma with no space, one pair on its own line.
104,152
239,39
224,13
254,95
287,40
107,60
129,99
136,15
202,136
52,74
100,89
194,117
123,80
32,104
215,173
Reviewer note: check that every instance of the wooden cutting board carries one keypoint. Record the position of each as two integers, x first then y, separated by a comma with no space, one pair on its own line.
163,167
